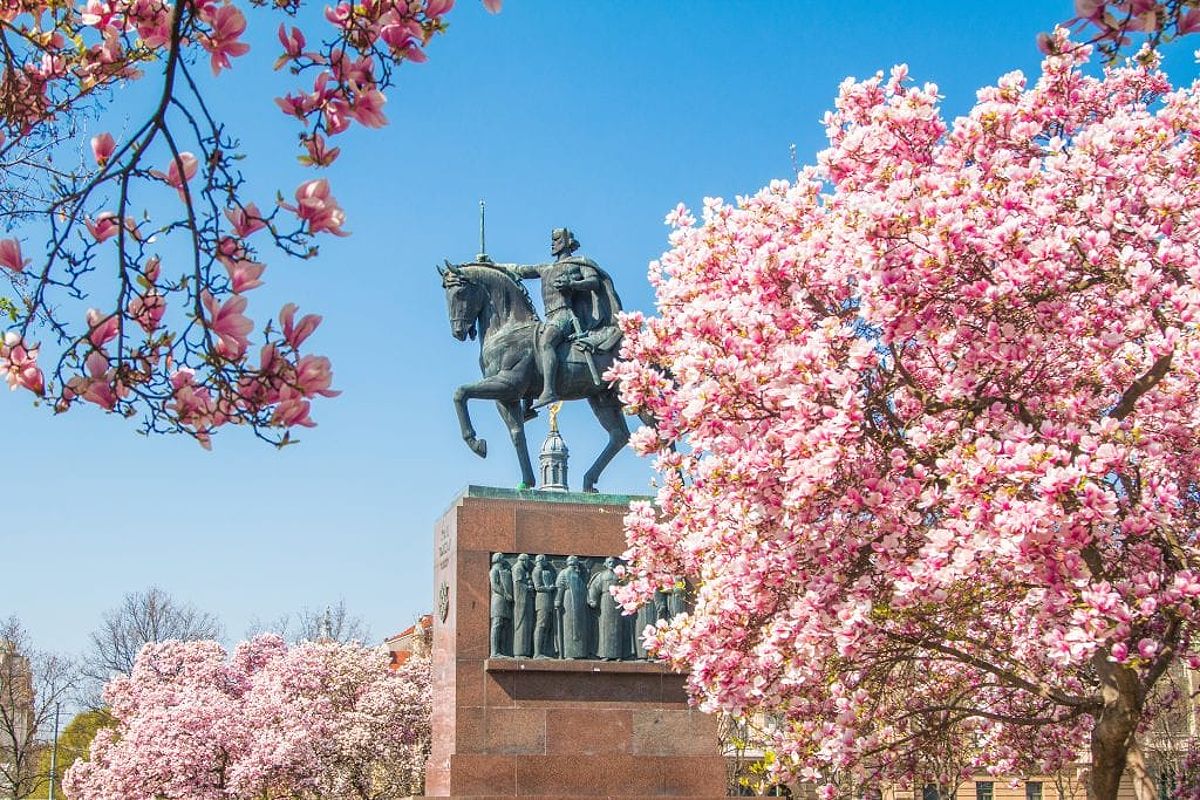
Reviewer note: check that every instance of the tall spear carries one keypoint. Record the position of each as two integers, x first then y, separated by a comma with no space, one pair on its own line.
483,256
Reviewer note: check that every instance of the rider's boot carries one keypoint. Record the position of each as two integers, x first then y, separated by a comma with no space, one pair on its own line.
549,361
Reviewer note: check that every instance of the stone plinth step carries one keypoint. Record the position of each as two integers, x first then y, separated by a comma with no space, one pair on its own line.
576,665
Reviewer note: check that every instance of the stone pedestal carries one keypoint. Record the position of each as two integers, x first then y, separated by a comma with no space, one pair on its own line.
543,728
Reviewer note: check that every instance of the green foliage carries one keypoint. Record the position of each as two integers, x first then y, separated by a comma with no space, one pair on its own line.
73,743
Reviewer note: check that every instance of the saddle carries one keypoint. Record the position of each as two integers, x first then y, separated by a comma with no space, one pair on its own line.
601,340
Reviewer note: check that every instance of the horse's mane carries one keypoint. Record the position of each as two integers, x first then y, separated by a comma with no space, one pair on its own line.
520,285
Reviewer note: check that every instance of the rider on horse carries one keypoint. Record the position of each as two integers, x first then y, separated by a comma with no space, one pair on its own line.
580,304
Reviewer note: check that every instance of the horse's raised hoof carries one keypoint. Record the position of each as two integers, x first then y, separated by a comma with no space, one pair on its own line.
478,446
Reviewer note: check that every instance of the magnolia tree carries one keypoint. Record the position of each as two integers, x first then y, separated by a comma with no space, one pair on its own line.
156,221
926,423
316,721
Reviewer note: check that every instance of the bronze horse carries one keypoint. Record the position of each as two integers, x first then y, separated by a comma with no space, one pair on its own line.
484,299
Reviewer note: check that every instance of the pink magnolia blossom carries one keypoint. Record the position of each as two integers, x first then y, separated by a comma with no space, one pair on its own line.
314,376
244,274
102,328
367,107
173,176
294,333
104,226
318,208
318,153
292,409
152,269
318,719
229,324
925,426
228,23
98,13
1190,23
246,220
18,361
99,385
134,355
293,44
10,255
103,147
147,310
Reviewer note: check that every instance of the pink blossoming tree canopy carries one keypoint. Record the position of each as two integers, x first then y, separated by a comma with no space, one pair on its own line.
927,428
132,261
324,721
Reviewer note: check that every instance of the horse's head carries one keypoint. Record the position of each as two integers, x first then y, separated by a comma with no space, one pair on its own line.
464,301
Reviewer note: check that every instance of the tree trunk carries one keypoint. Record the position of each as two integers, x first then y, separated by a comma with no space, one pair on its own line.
1143,782
1114,733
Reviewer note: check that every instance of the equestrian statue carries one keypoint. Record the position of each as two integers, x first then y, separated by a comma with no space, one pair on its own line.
528,362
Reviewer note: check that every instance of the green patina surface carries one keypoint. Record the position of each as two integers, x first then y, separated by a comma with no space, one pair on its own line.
538,496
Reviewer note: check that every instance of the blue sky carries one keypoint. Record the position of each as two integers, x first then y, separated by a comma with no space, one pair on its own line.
599,116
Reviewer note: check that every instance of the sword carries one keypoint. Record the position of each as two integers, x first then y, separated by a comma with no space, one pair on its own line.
558,615
588,358
587,354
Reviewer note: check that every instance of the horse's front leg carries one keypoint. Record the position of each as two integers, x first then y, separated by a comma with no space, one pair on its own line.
461,395
514,420
493,387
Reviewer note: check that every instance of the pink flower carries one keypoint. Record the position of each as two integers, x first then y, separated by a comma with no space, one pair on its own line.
97,385
97,13
173,176
244,274
355,72
102,328
10,255
230,249
317,207
104,227
147,310
295,105
291,410
19,364
103,147
1190,23
293,45
318,154
227,322
295,334
492,5
314,375
246,220
402,34
368,108
340,15
152,18
228,24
